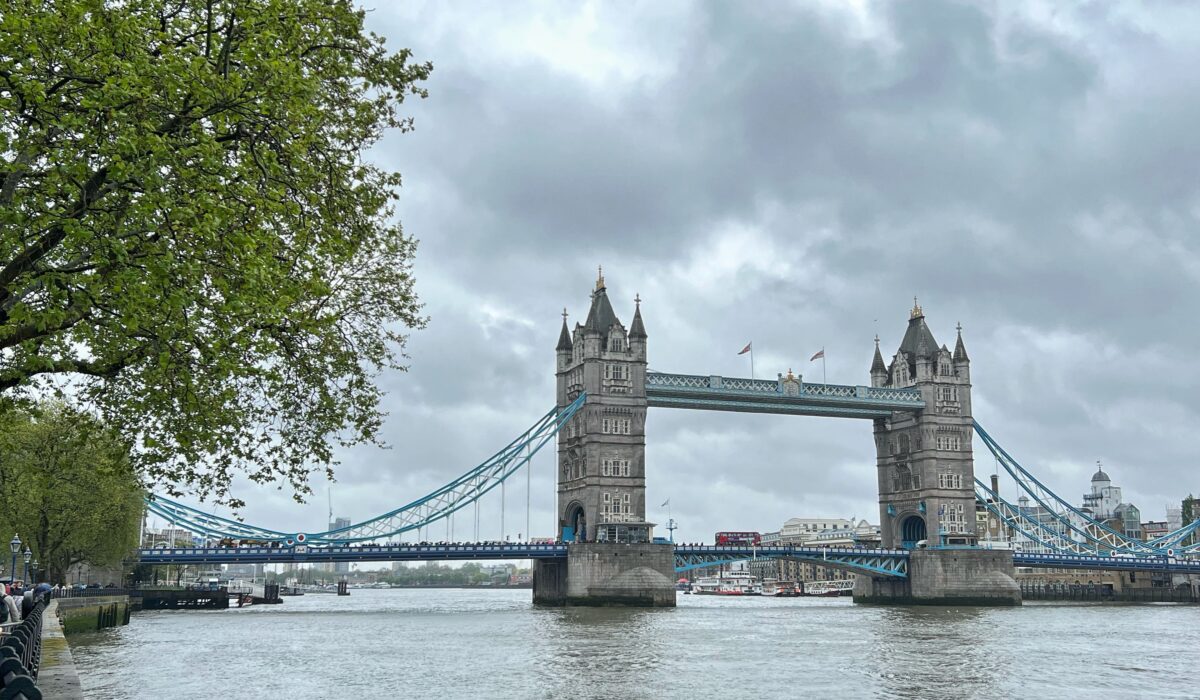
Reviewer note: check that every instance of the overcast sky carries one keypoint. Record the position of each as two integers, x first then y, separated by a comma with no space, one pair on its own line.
792,174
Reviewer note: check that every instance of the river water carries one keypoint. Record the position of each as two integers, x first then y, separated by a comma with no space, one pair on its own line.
448,643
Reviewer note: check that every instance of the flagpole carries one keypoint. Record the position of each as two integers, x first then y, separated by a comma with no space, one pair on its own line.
752,360
823,377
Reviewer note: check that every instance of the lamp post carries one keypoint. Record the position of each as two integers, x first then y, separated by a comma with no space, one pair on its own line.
15,546
28,556
35,569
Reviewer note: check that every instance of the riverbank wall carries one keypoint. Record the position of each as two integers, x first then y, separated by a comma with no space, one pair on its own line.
1102,594
91,614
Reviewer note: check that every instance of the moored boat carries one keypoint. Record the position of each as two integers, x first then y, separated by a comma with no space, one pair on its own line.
829,588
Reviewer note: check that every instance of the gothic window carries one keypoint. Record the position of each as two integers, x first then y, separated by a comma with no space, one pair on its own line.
616,371
904,444
950,481
949,442
952,517
616,343
606,468
625,505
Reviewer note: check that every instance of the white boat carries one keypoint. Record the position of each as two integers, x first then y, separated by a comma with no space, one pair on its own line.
829,588
729,583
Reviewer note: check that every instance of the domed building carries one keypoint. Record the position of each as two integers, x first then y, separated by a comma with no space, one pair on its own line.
1105,504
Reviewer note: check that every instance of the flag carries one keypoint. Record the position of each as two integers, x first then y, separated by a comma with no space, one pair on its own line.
820,353
665,503
747,348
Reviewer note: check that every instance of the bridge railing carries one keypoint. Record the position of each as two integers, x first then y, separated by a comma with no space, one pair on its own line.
88,592
21,656
770,387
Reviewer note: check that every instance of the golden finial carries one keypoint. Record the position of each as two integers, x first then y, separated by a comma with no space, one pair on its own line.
958,327
637,300
790,375
876,340
599,277
916,310
564,314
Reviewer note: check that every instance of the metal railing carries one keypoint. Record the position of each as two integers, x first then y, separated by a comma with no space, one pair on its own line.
89,592
21,656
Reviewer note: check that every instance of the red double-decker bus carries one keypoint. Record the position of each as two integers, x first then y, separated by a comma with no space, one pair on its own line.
751,538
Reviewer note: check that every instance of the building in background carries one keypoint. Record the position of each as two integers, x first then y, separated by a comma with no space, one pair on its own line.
244,571
340,567
1154,529
1174,518
813,532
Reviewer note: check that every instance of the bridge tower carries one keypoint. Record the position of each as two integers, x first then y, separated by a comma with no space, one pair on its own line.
925,466
611,559
602,451
927,482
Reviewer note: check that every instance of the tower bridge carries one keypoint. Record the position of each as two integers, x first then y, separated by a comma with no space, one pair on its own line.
919,405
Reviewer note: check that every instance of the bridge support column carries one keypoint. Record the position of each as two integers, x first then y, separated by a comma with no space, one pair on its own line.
946,577
601,574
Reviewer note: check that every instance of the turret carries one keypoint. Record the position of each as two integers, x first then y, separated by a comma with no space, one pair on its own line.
565,346
879,372
637,331
962,363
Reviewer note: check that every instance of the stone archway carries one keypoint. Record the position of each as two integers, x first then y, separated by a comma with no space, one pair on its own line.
576,523
912,531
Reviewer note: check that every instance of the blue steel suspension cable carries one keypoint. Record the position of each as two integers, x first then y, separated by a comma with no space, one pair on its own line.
477,481
1020,474
989,498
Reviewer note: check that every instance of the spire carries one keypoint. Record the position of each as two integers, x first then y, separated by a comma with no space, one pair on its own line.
601,316
877,364
636,329
564,337
960,351
599,277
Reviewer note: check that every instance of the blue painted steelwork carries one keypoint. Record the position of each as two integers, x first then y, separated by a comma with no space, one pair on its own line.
891,563
307,553
1121,562
1035,530
1093,531
877,562
715,393
428,509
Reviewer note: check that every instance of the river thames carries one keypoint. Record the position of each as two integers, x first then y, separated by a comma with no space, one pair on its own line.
449,643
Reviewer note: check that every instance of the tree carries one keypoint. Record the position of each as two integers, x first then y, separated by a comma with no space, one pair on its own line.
68,488
189,232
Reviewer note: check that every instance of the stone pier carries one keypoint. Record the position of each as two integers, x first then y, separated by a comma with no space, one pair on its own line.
599,574
946,577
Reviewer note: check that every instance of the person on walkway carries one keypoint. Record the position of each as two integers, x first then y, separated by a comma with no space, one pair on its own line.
10,605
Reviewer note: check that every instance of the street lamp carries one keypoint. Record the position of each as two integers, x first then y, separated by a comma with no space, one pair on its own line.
15,546
28,556
35,569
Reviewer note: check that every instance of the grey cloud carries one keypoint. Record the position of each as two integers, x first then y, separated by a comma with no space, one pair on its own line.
778,175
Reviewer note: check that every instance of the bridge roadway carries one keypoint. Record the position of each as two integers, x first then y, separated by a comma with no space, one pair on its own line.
878,562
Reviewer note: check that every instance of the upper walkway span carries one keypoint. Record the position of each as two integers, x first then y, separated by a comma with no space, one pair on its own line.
787,395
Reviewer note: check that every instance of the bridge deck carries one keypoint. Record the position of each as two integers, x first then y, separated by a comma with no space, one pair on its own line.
715,393
886,562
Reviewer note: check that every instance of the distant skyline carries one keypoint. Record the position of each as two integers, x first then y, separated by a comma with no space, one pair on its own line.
792,174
